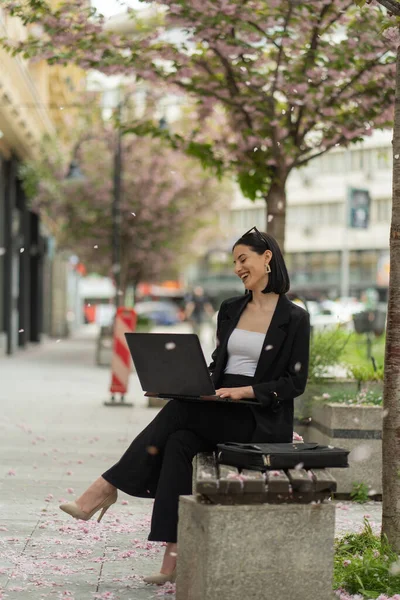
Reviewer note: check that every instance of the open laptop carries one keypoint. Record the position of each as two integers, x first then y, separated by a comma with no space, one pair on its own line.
172,365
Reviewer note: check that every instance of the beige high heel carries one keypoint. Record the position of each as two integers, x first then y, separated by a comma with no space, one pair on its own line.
71,508
161,578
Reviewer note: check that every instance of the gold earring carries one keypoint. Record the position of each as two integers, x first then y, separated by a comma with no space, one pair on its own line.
267,268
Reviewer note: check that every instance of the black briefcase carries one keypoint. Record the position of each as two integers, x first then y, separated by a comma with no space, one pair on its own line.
262,457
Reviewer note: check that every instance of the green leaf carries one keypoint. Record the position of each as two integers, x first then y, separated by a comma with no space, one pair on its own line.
251,182
204,152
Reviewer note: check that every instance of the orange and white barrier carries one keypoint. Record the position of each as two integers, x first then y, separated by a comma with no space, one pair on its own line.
125,322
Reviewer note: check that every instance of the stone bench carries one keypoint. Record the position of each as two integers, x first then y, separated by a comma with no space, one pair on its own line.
257,536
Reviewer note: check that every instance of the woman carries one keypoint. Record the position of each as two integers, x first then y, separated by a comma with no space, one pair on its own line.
262,353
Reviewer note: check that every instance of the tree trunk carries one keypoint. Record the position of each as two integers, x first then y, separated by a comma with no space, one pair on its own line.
276,212
391,394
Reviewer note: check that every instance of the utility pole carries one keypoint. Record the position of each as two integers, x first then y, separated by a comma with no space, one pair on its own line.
116,211
345,254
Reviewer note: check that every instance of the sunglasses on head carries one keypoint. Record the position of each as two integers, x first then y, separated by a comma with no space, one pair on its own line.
258,234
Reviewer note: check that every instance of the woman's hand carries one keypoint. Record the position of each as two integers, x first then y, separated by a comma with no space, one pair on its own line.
236,393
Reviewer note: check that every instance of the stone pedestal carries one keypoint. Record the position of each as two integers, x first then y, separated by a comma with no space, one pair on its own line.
276,551
358,429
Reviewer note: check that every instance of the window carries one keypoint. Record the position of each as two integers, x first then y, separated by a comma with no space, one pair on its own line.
357,162
329,213
383,158
324,268
330,163
381,210
243,219
363,266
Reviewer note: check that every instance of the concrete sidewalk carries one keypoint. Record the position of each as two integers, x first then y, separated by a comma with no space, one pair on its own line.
57,437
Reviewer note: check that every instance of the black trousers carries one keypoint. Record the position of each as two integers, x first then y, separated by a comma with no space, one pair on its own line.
158,463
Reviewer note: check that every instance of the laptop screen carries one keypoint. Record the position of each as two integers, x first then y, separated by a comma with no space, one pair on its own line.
170,363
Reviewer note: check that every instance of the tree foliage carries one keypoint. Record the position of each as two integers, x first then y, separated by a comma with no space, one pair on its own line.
286,80
165,198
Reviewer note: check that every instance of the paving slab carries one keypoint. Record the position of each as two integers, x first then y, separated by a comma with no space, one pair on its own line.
56,438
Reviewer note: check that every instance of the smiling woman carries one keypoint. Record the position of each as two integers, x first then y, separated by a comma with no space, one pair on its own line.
264,257
262,354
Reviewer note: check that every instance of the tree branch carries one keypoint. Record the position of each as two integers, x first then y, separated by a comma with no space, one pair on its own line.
309,60
317,111
281,51
299,163
314,122
261,30
206,92
232,84
270,98
369,65
392,5
337,17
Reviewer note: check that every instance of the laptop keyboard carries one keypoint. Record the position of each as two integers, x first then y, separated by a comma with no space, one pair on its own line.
185,397
205,398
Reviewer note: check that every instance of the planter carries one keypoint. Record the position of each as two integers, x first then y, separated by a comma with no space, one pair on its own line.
303,404
351,427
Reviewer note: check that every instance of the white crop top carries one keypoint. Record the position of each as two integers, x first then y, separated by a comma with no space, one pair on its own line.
244,349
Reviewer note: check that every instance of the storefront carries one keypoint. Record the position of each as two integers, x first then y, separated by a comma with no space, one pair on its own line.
23,248
318,274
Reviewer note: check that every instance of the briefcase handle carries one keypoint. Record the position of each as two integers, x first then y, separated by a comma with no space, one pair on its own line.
242,446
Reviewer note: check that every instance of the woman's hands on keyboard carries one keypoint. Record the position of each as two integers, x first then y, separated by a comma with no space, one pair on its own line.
236,393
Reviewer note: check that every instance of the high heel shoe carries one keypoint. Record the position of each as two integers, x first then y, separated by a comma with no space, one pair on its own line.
71,508
161,578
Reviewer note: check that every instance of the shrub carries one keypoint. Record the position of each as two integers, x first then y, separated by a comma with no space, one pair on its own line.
359,493
325,352
366,564
364,397
143,323
363,374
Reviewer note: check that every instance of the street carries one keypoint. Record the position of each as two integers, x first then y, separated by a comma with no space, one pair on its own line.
56,438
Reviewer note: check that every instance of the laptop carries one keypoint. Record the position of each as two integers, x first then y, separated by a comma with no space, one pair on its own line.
172,365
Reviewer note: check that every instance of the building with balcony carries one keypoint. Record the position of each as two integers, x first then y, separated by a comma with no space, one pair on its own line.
325,257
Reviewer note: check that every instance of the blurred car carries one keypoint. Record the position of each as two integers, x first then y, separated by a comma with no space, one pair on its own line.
159,312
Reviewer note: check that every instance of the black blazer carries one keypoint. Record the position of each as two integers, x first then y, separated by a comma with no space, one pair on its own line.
282,370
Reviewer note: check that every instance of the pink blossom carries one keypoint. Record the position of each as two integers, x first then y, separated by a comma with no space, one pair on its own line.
346,562
314,106
392,34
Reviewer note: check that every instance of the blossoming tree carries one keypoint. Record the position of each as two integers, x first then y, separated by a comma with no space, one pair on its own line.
289,79
164,200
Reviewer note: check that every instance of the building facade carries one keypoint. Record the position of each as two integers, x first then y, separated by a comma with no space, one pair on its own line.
35,100
325,256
